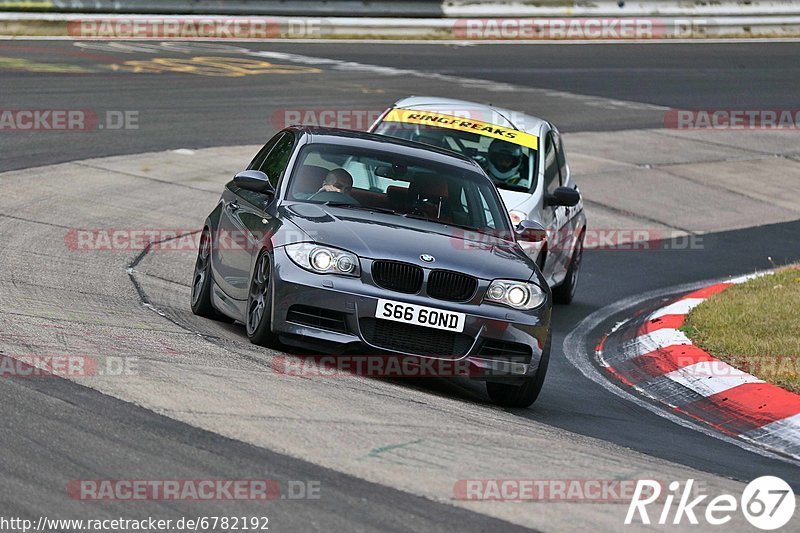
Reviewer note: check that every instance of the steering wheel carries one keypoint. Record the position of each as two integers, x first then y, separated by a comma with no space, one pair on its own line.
516,181
331,196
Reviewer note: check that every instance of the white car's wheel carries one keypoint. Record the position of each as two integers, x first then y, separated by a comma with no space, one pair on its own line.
564,293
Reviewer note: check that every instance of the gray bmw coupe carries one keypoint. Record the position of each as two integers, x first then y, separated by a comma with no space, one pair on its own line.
344,242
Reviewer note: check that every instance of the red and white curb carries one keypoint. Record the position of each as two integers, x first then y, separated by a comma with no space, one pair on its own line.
651,355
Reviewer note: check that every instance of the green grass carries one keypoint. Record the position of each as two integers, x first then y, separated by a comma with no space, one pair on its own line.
754,326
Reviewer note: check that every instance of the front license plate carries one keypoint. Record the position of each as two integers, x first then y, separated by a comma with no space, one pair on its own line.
420,315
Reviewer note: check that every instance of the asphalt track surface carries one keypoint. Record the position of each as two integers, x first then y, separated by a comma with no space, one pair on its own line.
106,436
178,111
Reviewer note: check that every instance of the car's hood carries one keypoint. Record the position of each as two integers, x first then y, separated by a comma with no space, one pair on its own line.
378,235
513,199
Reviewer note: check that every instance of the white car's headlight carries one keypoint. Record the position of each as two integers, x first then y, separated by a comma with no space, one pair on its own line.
516,217
324,259
516,294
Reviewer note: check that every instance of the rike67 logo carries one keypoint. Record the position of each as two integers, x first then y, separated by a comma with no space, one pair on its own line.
767,503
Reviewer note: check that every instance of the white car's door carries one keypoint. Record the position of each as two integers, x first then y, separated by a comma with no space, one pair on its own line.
554,218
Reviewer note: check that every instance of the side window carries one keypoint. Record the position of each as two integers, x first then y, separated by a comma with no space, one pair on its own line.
275,162
562,160
360,173
258,160
552,178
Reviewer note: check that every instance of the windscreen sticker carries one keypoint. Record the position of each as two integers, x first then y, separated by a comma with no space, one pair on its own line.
411,116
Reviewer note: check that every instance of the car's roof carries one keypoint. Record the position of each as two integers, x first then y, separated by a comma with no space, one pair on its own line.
484,112
373,141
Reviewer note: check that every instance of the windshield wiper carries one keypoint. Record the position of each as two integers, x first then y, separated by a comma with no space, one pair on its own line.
451,224
503,185
362,207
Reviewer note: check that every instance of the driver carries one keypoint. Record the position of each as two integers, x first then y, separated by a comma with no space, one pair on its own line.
337,180
505,160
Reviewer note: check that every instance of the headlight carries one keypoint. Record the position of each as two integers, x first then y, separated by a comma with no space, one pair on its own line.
516,294
323,259
517,217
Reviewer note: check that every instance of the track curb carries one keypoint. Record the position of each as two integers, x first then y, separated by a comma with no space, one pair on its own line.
650,354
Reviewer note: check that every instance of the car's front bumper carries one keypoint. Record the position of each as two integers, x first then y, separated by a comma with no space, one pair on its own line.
355,301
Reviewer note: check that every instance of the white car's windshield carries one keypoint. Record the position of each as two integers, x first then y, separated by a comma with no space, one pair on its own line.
509,165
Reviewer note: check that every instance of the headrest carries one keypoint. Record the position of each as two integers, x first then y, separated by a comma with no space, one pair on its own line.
309,179
429,186
397,195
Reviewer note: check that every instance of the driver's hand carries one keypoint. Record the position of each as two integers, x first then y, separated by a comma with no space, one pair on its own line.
328,188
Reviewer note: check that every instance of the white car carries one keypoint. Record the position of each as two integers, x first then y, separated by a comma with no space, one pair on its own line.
525,158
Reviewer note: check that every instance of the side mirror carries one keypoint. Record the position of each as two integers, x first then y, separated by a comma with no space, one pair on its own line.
254,180
563,196
530,231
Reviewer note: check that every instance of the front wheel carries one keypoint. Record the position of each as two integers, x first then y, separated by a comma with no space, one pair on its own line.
259,303
508,395
564,293
201,281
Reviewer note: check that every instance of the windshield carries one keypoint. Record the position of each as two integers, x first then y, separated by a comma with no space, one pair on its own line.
508,164
384,181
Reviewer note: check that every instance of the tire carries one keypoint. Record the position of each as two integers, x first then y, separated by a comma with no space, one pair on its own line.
564,293
202,280
541,260
258,315
508,395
